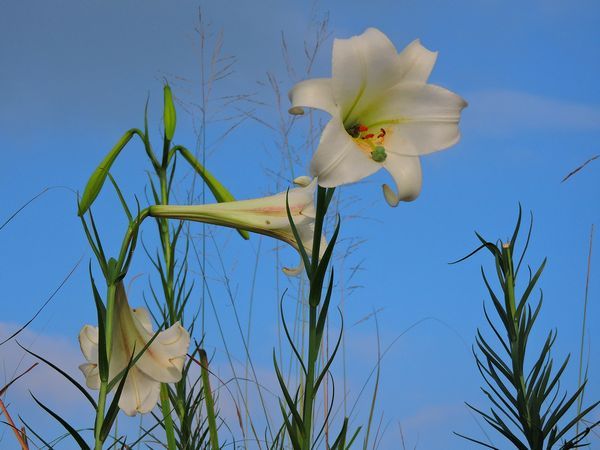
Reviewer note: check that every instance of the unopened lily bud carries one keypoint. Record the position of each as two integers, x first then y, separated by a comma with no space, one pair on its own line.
169,115
266,215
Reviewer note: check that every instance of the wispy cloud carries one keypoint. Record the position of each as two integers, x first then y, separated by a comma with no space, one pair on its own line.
507,112
42,380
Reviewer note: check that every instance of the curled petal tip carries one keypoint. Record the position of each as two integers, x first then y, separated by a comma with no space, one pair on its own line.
390,196
296,110
302,181
293,271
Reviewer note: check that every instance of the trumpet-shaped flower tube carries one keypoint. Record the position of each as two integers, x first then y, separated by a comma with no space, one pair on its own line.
384,114
265,215
161,362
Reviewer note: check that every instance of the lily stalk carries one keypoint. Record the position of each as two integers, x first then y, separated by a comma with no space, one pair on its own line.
99,342
299,412
314,337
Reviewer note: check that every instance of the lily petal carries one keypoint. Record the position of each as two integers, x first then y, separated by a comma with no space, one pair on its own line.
88,342
314,93
338,159
140,393
415,63
161,360
424,114
142,316
406,172
362,66
91,374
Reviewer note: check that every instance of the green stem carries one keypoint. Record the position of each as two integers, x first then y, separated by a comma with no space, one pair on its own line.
165,238
320,217
517,358
165,405
313,338
100,415
309,394
110,304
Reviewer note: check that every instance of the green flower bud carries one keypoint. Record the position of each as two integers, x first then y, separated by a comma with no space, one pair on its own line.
169,116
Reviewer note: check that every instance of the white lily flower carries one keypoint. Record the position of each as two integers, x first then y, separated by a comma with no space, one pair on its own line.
161,362
384,114
265,215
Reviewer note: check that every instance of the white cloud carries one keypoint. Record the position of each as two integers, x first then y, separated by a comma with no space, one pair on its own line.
42,381
505,112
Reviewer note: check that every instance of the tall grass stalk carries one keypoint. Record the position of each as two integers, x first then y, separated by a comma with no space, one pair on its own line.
581,376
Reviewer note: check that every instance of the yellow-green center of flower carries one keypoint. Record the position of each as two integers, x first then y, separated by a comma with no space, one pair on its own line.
369,140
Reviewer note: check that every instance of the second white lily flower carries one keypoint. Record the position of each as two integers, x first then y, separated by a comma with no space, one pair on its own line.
161,362
384,114
265,215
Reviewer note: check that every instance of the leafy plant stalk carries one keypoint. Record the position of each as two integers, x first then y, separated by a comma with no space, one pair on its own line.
527,407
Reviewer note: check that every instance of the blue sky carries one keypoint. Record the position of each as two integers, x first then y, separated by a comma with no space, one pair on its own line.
74,76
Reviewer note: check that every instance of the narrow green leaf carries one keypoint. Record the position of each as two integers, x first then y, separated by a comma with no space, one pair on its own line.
301,248
316,285
292,432
288,398
48,446
72,431
289,337
513,239
121,198
340,441
101,315
354,436
64,374
476,441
